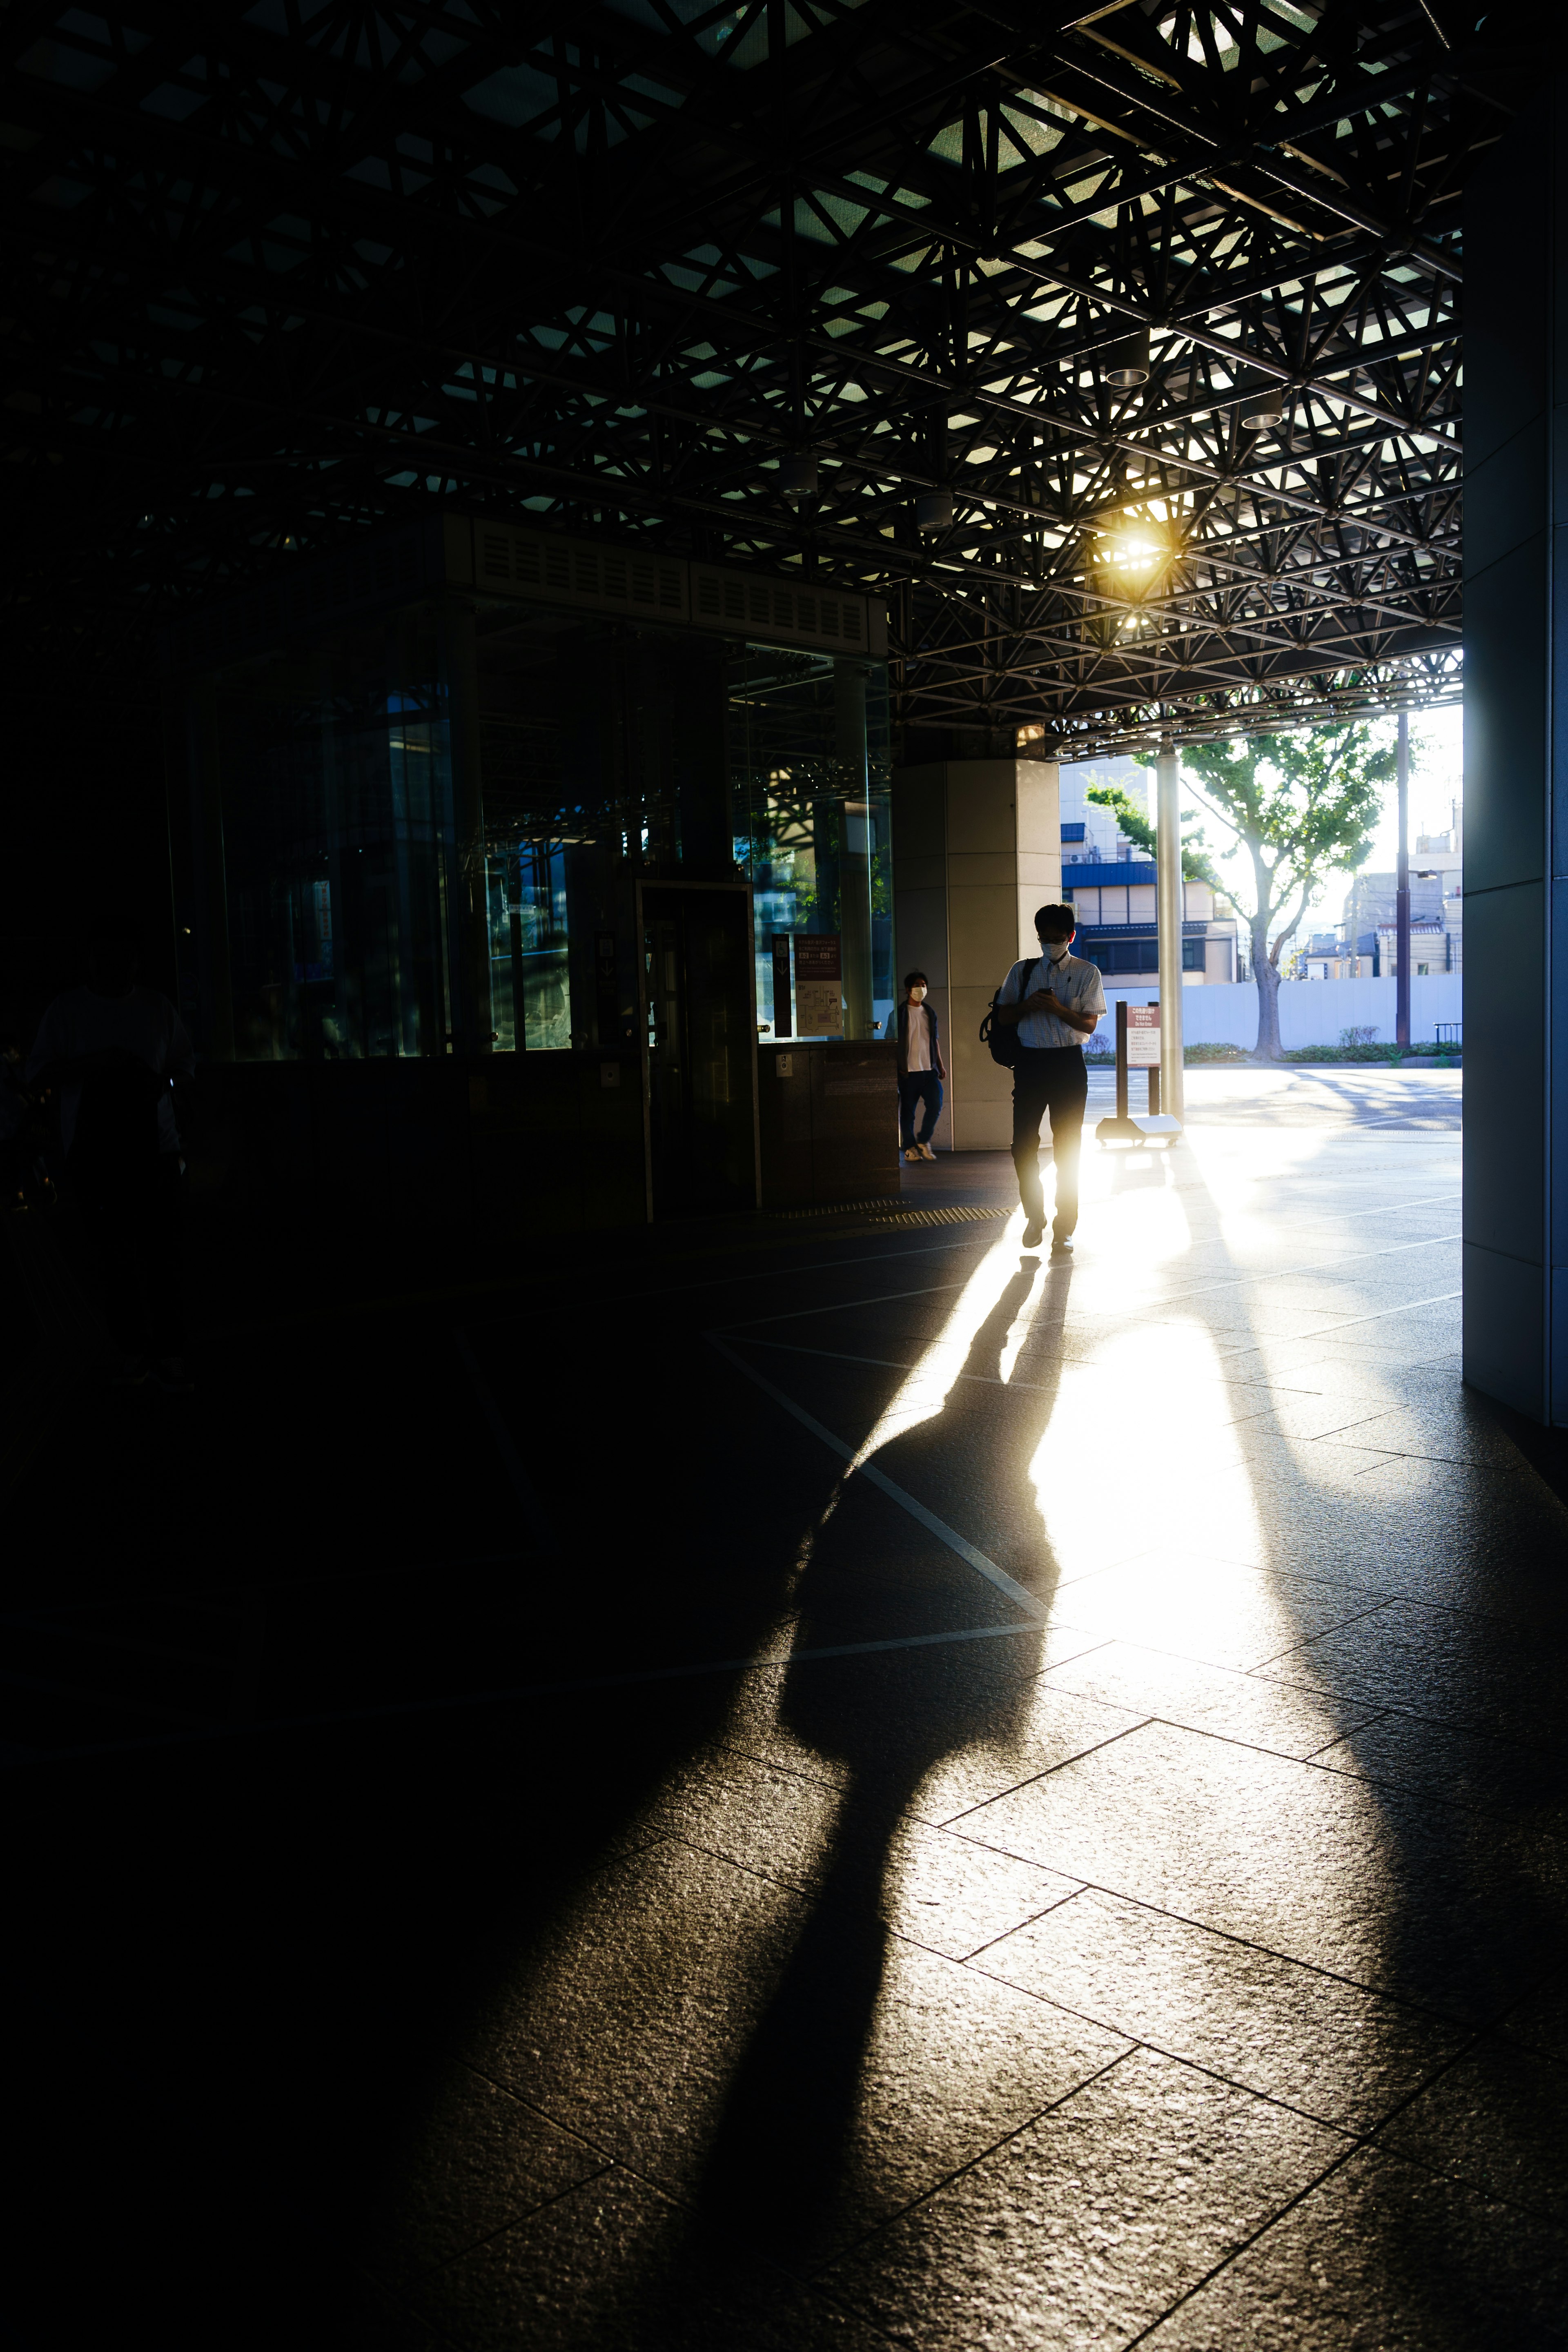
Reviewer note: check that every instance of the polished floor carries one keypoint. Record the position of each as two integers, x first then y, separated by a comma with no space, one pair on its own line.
844,1785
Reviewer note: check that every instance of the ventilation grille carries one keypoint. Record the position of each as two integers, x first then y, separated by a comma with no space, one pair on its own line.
507,560
510,560
565,571
728,600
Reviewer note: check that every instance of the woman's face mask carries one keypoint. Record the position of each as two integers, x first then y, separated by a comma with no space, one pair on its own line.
917,994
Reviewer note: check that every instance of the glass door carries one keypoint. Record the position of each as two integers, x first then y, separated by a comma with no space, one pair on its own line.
701,1048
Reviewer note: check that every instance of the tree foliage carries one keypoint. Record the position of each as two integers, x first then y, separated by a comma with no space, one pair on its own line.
1303,807
1196,864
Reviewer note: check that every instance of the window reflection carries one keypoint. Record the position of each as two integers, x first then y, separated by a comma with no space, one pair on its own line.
423,834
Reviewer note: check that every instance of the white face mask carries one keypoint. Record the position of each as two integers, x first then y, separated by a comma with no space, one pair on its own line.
917,996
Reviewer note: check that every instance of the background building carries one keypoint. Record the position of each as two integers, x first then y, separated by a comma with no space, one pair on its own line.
1110,883
1364,948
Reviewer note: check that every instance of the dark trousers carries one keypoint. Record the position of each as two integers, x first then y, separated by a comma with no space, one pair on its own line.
135,1234
1049,1079
915,1087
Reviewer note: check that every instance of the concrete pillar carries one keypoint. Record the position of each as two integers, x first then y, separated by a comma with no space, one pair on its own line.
855,854
976,848
1516,782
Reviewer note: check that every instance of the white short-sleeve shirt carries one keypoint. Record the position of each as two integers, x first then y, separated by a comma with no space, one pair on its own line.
1071,978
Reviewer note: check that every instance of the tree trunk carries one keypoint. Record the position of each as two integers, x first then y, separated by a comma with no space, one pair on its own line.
1267,1048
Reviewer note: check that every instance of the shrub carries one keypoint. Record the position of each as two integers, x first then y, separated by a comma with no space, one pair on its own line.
1199,1053
1386,1055
1357,1036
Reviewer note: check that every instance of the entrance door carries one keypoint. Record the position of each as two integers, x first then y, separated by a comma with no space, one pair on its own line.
701,1048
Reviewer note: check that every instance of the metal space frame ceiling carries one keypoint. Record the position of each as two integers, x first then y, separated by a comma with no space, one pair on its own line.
276,273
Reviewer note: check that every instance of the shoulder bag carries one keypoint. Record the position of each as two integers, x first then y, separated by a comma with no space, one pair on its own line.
1001,1037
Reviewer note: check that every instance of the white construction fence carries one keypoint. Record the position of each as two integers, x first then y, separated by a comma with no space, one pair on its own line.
1311,1012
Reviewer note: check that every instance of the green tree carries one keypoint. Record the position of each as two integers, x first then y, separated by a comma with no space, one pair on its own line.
1196,864
1303,807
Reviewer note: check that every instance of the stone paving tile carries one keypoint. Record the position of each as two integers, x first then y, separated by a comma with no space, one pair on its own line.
1384,2256
939,1890
1384,1380
1236,1705
934,1895
1540,2020
1331,1461
1399,1893
1219,1611
1086,2227
1324,1367
1449,1666
1427,1332
1499,1774
636,2006
1498,2119
707,2027
483,2160
617,2266
1444,1429
1301,1418
1339,2054
1387,1290
948,1725
1452,1534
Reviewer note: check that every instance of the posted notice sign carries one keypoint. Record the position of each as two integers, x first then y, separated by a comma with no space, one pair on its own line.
1142,1037
818,984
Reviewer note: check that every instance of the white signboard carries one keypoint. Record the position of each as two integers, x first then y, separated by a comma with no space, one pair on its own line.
1142,1037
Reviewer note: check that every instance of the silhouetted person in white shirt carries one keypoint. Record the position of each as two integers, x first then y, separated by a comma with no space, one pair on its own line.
113,1052
1065,1000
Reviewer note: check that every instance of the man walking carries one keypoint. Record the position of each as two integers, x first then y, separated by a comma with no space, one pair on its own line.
920,1066
1055,1000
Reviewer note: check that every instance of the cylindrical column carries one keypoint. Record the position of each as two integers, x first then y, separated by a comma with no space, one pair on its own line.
1401,895
1168,889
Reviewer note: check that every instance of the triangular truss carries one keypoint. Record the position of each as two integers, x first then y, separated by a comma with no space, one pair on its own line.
835,284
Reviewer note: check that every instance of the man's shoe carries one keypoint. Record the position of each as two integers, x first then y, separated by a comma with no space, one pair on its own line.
912,1153
926,1152
1062,1245
130,1373
1033,1232
170,1373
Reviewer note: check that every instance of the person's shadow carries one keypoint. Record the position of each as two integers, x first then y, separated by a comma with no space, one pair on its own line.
778,2171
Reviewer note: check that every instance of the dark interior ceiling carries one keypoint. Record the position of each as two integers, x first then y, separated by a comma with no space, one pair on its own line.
275,274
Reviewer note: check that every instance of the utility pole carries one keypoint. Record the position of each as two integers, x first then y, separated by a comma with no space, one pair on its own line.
1401,895
1168,902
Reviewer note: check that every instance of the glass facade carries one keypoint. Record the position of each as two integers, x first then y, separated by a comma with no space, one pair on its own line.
324,790
425,833
810,787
